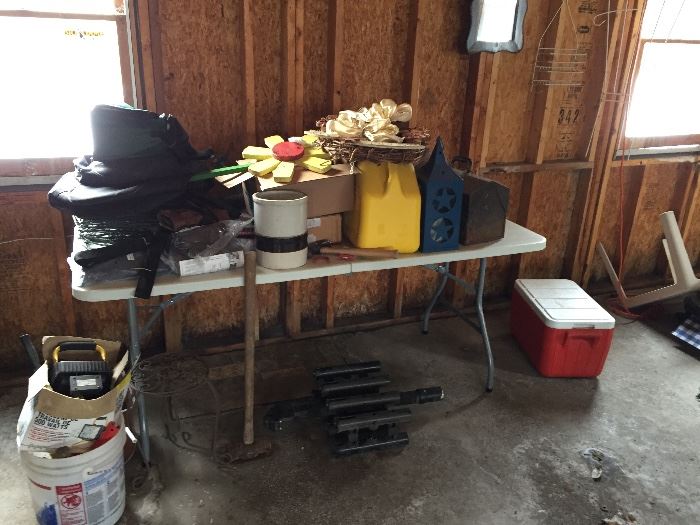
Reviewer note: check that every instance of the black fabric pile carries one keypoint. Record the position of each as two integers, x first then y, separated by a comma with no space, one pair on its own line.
141,162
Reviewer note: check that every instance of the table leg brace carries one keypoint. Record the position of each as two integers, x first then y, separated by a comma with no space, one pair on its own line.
134,354
445,274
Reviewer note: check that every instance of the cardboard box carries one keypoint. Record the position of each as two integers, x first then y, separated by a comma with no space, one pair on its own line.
329,193
328,227
50,420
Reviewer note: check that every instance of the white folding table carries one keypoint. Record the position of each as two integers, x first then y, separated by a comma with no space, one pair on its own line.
516,240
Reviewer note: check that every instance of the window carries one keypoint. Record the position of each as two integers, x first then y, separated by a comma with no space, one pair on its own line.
664,108
59,59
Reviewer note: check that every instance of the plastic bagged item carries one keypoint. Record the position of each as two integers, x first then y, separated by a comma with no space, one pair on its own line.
207,249
118,269
101,235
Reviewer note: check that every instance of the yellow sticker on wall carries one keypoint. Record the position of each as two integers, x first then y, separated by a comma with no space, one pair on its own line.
83,34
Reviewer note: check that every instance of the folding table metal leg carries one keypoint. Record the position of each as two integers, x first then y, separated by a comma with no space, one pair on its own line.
134,354
433,301
479,301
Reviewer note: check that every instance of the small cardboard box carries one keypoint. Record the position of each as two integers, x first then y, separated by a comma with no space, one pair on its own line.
329,193
328,227
50,420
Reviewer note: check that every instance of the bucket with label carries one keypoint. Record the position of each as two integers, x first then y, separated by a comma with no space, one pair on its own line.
280,228
87,489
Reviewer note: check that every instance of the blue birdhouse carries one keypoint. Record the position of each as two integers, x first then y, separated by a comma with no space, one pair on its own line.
441,195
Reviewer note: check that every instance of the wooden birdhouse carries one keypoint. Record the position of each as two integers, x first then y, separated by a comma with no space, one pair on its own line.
441,191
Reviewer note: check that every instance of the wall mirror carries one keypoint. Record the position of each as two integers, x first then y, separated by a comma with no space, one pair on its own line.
496,25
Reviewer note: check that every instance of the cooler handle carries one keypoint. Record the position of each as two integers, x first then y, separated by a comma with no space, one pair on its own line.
581,333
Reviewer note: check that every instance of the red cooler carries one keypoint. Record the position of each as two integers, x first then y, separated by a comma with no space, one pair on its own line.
563,331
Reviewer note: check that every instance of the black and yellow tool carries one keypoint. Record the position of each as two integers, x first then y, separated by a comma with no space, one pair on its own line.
88,376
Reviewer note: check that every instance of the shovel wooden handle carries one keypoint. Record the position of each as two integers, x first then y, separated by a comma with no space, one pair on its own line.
362,252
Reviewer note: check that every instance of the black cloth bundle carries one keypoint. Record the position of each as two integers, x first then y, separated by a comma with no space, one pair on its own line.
140,162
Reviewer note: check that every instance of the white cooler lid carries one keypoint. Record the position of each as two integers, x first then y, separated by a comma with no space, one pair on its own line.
562,303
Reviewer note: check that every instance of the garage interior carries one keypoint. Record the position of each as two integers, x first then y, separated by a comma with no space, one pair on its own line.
617,448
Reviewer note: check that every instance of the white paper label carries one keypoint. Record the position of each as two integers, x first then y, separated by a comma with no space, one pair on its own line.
199,265
235,259
313,223
130,257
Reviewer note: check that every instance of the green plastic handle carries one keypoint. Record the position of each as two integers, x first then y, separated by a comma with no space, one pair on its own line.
205,175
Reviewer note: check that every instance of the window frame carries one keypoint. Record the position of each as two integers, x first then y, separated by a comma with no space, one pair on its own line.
640,143
23,167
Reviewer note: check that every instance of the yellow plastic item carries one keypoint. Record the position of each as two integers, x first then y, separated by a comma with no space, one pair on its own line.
263,167
309,140
272,141
257,153
316,151
284,172
387,207
316,164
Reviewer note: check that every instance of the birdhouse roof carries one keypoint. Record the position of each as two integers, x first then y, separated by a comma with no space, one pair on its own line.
438,168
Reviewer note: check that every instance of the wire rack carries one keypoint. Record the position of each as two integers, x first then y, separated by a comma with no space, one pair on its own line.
559,66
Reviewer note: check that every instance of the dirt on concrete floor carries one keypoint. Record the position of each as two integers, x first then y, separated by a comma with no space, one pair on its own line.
521,454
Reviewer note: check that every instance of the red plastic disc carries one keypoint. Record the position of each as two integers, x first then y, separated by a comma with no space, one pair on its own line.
287,151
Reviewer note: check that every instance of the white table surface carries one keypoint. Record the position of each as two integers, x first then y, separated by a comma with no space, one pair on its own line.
516,240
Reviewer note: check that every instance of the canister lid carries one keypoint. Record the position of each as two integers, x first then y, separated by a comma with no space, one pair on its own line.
278,196
561,303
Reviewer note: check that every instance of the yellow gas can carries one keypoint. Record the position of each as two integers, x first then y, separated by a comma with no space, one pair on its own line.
387,207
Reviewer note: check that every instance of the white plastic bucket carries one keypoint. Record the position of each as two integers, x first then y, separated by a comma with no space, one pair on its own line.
280,228
87,489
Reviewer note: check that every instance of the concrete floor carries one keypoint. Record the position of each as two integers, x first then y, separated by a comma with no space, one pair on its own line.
512,456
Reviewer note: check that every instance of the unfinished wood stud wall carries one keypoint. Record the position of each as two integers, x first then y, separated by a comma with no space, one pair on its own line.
237,71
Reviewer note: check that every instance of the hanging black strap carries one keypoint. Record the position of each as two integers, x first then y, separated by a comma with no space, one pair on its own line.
147,274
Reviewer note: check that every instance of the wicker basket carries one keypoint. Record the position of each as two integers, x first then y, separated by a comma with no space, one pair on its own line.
355,150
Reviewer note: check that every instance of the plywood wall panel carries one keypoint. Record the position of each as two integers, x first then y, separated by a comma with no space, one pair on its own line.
419,286
316,50
659,194
552,200
361,293
220,310
693,244
573,114
609,235
514,99
201,45
30,299
212,311
108,320
441,68
311,300
269,28
375,51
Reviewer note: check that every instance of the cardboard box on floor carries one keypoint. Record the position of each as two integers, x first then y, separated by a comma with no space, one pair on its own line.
329,193
50,420
328,227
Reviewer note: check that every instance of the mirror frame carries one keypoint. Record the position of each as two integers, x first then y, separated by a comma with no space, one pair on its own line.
513,46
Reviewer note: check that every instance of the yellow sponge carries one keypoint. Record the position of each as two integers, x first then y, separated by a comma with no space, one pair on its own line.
316,164
257,153
309,140
272,141
264,167
284,172
317,151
